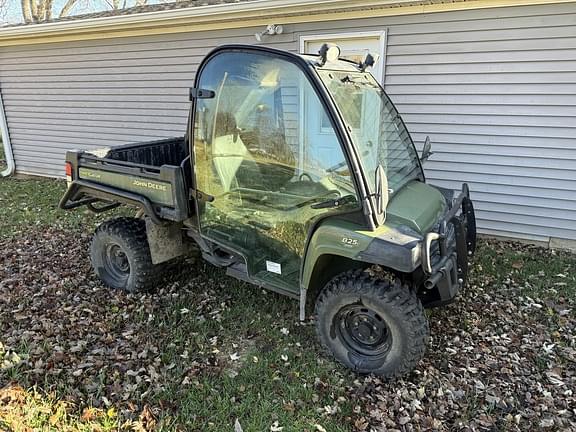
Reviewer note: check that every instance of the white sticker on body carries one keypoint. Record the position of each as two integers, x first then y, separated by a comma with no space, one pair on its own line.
273,267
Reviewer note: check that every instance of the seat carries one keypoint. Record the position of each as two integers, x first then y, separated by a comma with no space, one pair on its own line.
229,152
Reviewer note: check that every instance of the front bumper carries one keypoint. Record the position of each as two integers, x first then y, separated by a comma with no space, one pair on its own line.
445,252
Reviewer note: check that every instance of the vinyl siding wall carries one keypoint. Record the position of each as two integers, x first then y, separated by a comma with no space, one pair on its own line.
495,89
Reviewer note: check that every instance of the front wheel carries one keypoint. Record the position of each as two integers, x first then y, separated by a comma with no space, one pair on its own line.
120,255
372,325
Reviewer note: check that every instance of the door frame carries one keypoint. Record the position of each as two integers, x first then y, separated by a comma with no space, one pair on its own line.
380,34
365,208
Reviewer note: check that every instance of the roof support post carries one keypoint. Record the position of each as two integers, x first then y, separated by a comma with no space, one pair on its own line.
6,142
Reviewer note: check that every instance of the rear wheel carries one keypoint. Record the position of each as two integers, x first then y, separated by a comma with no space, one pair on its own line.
120,255
372,325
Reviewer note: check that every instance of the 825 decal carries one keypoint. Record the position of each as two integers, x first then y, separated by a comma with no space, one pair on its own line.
347,241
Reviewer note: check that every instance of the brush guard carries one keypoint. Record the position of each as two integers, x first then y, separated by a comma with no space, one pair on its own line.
456,239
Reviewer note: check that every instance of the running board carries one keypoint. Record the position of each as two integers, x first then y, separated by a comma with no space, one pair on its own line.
239,271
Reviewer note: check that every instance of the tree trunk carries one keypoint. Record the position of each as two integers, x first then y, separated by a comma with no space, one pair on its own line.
40,10
48,10
34,10
26,11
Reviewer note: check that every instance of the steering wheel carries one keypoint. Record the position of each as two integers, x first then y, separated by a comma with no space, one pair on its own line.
344,162
304,175
327,200
335,192
329,194
336,167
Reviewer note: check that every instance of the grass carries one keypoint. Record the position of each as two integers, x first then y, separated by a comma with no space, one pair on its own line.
278,378
32,410
262,386
33,203
29,203
541,273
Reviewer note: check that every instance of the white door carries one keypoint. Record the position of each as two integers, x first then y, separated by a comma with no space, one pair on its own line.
353,46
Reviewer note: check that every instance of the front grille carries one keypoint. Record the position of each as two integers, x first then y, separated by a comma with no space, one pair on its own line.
450,237
434,253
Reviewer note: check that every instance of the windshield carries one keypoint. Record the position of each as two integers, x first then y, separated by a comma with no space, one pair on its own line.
376,128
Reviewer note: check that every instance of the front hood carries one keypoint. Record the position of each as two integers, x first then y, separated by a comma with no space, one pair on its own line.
417,205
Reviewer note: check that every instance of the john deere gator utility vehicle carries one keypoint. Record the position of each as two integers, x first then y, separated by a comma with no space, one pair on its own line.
296,174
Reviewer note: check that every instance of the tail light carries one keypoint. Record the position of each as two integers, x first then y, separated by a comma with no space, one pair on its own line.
68,168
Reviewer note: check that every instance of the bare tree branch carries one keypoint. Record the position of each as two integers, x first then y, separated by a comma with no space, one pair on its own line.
43,10
67,8
124,4
3,11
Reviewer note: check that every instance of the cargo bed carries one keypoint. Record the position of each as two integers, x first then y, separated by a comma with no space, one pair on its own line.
152,176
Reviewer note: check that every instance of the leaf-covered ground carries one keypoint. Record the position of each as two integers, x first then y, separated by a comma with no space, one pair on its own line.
207,353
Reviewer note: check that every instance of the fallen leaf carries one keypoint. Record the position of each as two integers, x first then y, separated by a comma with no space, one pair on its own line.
237,426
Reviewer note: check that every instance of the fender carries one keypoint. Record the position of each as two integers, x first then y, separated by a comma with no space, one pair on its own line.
393,247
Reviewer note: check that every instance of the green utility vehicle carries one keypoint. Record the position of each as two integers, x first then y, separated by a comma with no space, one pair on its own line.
297,175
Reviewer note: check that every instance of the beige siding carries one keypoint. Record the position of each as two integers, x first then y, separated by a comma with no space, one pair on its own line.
495,89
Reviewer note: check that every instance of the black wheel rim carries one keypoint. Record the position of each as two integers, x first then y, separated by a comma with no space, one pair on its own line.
117,263
363,331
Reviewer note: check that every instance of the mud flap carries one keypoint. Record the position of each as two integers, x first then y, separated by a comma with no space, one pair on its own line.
166,241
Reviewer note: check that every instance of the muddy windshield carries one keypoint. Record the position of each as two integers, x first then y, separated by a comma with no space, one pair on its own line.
375,126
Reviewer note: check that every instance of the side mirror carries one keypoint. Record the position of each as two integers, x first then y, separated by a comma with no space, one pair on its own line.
426,150
382,195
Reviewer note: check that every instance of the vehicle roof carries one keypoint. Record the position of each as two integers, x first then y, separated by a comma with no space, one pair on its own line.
311,59
340,65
